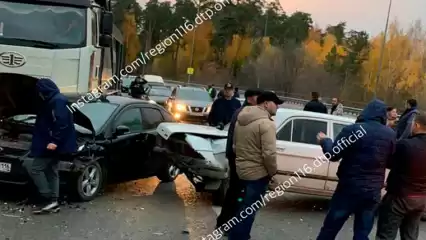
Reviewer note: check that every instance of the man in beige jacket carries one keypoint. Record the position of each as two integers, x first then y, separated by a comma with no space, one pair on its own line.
255,149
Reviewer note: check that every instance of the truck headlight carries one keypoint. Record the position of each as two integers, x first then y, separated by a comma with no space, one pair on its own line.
180,107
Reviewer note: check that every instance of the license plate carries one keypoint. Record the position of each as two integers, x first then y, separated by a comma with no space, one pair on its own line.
5,167
197,114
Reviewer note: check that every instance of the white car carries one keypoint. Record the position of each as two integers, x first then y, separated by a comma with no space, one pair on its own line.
297,151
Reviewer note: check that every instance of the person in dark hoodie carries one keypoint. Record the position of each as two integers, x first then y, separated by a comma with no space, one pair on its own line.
364,148
230,203
403,127
405,198
315,105
54,138
224,108
137,87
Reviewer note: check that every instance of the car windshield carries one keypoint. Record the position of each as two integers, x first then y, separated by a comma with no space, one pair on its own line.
98,113
128,80
160,91
42,26
193,94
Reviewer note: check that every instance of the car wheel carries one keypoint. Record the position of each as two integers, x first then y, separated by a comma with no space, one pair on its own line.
169,174
220,194
89,182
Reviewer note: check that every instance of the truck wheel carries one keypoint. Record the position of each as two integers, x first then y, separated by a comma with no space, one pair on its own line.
220,194
89,182
168,174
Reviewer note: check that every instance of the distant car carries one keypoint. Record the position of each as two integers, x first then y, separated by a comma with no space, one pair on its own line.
152,79
159,94
190,104
116,139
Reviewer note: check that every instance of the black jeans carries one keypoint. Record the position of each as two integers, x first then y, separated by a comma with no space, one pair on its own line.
45,174
343,205
401,213
230,205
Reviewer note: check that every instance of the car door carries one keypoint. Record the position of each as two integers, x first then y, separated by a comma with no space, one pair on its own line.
297,151
332,180
126,151
152,117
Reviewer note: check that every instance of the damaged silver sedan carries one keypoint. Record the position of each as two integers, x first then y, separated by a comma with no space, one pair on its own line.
198,152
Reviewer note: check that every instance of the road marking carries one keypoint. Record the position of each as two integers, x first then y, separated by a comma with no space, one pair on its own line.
217,210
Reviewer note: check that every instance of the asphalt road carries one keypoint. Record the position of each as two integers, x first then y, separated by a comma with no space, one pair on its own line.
147,210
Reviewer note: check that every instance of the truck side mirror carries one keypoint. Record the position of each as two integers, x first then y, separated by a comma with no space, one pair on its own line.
105,41
107,22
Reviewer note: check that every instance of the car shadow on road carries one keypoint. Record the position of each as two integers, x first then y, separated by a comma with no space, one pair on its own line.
299,203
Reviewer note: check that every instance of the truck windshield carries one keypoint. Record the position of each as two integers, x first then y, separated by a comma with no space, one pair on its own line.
42,26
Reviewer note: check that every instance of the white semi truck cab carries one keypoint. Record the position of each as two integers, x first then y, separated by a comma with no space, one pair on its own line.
72,42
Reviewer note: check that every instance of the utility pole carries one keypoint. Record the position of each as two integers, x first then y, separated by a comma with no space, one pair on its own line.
382,53
191,58
265,32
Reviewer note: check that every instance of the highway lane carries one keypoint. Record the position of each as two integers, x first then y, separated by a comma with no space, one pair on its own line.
148,210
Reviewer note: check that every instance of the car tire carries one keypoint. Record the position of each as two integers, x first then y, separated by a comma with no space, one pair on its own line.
168,173
218,196
89,182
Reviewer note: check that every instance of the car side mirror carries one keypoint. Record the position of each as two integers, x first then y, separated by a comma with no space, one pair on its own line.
105,41
107,23
121,130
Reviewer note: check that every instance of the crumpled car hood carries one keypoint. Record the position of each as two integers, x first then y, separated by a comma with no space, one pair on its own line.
209,142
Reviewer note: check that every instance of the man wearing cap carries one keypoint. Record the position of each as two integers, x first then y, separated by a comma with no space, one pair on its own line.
255,150
229,207
224,108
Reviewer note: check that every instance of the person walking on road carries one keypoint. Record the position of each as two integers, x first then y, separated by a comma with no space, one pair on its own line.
54,139
336,107
255,150
315,105
364,148
405,199
223,108
403,128
229,207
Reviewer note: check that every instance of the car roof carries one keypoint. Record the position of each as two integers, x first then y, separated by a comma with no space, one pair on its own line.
284,113
193,88
120,100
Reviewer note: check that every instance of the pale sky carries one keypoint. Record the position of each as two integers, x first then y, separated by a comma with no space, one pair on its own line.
368,15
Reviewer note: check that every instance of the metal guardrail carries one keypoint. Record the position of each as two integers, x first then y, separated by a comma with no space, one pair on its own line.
349,111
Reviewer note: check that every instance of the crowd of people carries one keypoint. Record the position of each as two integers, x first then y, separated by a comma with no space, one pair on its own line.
398,144
390,143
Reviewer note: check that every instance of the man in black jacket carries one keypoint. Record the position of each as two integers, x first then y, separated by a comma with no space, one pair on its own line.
224,108
229,207
315,105
137,87
405,200
403,128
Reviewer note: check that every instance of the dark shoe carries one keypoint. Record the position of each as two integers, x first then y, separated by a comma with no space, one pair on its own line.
52,207
423,219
